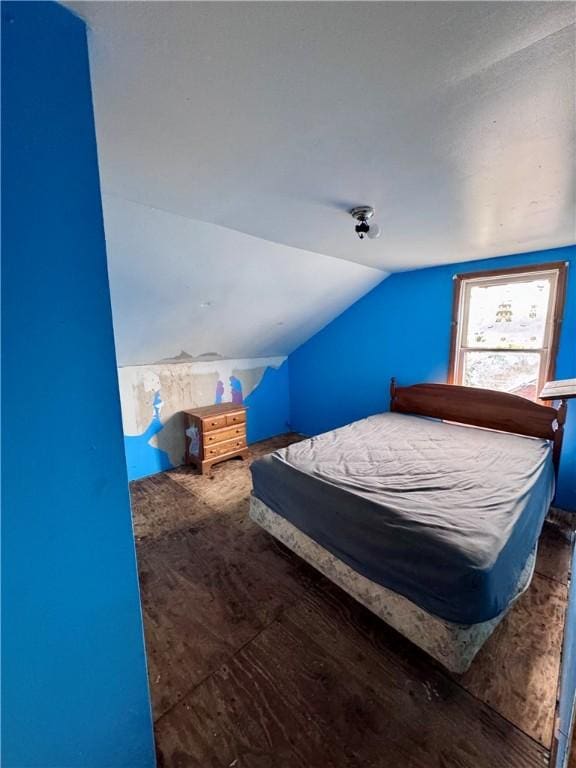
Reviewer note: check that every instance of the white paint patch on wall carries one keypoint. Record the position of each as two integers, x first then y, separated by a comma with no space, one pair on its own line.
170,388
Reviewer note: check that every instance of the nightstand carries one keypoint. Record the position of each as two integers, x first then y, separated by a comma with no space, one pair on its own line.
561,390
215,433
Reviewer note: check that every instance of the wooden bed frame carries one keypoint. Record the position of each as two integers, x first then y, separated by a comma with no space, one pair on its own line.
483,408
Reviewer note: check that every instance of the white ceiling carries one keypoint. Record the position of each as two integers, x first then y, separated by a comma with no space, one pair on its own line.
183,285
456,120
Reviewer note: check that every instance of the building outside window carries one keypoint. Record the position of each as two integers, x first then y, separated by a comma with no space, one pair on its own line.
506,327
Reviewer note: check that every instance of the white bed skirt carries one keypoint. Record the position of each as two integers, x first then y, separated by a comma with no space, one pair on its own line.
453,645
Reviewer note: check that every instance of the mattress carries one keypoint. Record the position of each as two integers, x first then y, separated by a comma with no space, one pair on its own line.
442,514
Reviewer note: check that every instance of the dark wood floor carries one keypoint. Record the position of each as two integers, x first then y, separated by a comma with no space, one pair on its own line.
257,661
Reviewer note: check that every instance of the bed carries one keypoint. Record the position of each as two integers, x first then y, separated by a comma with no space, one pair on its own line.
428,514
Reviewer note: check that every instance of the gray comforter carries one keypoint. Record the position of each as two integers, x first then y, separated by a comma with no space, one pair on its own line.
443,514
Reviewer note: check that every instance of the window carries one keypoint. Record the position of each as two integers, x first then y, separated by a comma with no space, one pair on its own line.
505,328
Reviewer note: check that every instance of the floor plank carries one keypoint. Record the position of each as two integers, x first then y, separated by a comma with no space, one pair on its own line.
554,553
206,591
160,505
222,490
256,660
320,687
226,489
517,670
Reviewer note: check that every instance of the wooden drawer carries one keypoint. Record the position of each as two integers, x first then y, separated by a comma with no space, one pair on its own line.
214,422
228,446
235,418
218,435
215,433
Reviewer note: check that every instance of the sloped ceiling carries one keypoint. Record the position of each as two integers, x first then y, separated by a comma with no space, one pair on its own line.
455,120
178,284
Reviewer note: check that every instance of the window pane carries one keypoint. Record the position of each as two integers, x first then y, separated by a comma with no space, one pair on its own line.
509,315
514,372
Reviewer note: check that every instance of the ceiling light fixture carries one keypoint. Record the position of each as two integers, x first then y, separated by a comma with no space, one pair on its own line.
362,214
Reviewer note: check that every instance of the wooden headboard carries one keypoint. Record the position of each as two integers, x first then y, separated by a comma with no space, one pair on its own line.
482,408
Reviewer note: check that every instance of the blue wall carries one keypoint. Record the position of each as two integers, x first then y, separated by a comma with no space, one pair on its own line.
269,405
143,458
402,329
74,687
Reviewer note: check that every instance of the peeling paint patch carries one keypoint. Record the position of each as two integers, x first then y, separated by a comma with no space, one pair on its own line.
167,390
249,379
186,357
